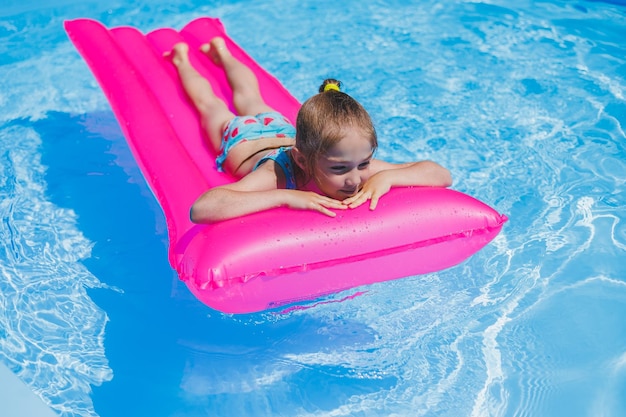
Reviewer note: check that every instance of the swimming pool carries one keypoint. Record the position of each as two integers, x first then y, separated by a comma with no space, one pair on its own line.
524,103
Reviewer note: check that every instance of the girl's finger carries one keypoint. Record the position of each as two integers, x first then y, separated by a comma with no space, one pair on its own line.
325,211
374,202
362,199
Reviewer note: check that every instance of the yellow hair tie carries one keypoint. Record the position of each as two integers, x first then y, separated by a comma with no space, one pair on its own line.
331,86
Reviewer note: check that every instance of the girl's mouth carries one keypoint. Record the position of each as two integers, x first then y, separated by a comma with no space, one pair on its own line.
349,192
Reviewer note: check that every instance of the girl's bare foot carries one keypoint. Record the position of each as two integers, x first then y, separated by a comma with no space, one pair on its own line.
216,50
179,53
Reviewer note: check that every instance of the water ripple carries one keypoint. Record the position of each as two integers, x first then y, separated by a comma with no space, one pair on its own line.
52,333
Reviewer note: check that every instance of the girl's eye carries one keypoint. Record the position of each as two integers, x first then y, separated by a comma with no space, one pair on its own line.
364,165
338,168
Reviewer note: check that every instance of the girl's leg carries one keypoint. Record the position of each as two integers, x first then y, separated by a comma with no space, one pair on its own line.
246,95
214,113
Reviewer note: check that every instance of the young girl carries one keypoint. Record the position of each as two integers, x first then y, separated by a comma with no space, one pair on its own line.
323,164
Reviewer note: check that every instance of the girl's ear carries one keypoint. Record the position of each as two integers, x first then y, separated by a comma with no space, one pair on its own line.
299,159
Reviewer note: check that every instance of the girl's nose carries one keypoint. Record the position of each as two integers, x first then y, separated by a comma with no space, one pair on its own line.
353,178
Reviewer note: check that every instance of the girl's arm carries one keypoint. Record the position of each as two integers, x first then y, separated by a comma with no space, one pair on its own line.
387,175
257,191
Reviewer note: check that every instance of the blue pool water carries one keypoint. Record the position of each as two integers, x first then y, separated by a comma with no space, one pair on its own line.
524,102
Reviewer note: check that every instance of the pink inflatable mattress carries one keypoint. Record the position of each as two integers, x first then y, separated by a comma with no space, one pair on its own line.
280,256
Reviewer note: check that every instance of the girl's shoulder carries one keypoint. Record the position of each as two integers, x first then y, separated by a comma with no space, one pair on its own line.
380,165
273,173
283,166
377,165
262,178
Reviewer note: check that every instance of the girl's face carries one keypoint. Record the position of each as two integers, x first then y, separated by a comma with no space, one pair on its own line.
343,170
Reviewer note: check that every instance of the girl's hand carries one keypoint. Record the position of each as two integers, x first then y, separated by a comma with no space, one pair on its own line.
309,200
387,175
375,187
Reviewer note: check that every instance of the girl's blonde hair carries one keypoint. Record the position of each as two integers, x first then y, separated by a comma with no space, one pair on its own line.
323,119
